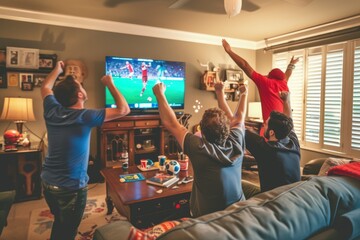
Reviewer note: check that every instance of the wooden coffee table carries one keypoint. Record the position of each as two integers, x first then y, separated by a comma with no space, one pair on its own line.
139,201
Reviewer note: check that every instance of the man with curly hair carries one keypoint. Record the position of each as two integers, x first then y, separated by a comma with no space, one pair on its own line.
217,156
278,157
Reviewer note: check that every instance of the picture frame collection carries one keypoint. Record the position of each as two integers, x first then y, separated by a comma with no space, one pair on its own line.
25,68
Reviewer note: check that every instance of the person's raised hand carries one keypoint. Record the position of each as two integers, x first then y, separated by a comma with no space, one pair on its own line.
243,88
107,80
159,89
60,66
294,60
226,45
284,95
219,86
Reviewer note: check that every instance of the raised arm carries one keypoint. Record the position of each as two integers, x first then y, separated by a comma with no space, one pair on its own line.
240,111
122,107
167,115
219,90
290,68
48,84
242,63
285,97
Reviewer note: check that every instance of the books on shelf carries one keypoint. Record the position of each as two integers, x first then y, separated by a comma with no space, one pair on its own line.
162,180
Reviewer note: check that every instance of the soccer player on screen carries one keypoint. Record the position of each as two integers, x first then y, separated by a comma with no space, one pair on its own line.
144,72
130,69
161,70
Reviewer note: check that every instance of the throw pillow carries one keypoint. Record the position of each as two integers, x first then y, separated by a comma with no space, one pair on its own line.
332,162
153,232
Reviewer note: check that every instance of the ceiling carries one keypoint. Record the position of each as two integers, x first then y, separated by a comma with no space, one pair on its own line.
259,19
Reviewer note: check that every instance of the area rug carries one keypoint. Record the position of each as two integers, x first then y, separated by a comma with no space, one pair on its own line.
41,220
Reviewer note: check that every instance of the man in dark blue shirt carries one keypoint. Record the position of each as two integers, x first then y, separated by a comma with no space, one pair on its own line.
68,123
278,156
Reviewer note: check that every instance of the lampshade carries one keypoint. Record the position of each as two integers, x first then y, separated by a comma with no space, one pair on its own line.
18,110
232,7
254,110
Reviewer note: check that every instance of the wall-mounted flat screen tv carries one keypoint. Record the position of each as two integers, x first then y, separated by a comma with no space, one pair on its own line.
135,77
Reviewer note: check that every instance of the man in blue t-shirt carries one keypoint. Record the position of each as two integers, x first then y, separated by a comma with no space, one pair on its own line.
68,123
278,156
217,156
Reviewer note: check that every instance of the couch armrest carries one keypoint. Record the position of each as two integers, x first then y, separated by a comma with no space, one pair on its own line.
307,177
6,200
313,166
118,230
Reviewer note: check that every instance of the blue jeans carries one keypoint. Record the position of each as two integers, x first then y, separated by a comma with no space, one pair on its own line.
68,207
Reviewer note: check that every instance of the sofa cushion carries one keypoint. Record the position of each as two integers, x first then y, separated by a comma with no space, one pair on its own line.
349,224
295,211
153,232
332,162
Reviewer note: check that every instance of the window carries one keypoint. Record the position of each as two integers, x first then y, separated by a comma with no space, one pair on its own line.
355,134
325,96
296,86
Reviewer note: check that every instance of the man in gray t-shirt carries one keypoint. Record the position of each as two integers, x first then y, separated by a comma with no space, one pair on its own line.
217,156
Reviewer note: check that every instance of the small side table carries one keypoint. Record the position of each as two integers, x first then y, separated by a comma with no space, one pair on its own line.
20,171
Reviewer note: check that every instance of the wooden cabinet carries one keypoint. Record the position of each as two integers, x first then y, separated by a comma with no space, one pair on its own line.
20,171
133,137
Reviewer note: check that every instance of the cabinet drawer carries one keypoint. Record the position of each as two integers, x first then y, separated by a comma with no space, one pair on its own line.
118,124
147,123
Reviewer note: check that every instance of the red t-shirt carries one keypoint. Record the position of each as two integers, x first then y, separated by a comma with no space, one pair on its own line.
130,67
269,93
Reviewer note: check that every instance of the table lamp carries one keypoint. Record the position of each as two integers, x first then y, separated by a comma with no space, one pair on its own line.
254,111
19,110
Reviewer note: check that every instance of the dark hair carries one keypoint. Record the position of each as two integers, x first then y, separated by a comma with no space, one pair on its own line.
66,91
280,124
215,126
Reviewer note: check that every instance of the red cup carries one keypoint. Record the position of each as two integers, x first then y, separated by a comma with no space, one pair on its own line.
184,164
143,163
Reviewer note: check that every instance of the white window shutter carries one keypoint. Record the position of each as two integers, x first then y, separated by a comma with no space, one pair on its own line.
355,132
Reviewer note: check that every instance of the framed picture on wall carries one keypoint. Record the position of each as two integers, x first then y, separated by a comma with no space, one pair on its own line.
47,61
234,75
39,79
26,86
3,57
25,78
3,80
22,58
13,79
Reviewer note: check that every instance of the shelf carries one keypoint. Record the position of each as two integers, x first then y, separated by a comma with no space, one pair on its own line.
145,151
129,133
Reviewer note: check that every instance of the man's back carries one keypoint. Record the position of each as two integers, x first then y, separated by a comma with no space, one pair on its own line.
217,172
278,161
69,138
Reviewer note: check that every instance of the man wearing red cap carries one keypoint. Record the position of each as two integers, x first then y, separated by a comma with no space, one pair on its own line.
269,86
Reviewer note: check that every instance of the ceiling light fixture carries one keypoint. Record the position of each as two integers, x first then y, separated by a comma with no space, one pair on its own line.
232,7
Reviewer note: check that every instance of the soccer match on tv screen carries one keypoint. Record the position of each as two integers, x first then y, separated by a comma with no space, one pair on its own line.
135,77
